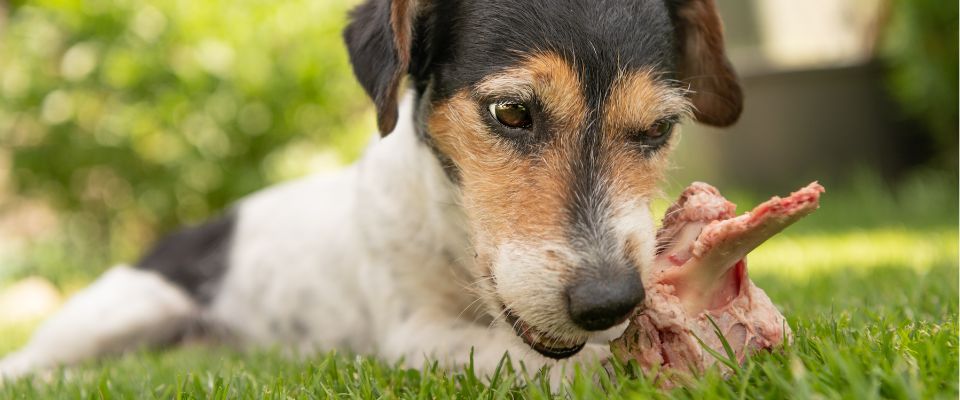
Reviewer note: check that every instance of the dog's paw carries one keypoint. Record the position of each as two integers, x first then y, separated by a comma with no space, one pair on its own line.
15,366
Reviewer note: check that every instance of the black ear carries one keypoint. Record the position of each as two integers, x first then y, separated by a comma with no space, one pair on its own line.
703,62
379,40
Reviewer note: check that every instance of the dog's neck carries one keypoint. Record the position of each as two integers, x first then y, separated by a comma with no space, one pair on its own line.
410,208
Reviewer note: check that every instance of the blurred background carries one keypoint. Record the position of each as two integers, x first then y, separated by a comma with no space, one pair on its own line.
121,119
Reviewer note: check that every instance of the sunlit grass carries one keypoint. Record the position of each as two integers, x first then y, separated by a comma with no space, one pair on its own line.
868,283
799,255
839,351
874,314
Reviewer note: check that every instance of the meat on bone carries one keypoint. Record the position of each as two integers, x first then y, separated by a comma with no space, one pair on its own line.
700,279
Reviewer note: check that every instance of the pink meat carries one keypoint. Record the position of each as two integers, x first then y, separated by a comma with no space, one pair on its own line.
700,272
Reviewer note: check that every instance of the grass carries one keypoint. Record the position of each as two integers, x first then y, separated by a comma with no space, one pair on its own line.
873,306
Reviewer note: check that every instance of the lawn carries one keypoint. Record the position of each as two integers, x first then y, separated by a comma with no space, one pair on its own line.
869,285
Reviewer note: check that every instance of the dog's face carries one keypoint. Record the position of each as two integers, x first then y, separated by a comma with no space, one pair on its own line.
555,119
555,179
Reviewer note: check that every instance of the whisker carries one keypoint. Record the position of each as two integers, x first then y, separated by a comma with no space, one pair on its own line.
478,281
472,303
496,318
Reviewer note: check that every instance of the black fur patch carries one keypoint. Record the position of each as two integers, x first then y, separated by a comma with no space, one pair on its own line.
195,258
457,43
373,53
471,39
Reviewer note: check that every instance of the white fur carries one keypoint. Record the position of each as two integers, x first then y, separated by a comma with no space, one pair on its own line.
373,260
632,219
535,290
123,309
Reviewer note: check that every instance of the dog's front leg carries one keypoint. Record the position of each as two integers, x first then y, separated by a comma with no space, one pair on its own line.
451,342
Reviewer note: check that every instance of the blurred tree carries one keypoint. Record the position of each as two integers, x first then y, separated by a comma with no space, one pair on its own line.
920,45
133,116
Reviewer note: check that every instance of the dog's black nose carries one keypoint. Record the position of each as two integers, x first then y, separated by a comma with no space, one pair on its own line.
598,303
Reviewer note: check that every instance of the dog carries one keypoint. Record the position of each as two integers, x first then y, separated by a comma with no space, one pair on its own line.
503,208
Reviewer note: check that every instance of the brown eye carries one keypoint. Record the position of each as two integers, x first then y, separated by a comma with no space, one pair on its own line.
659,130
655,136
512,115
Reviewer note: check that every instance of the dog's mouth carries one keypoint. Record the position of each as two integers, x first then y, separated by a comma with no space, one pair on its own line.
541,342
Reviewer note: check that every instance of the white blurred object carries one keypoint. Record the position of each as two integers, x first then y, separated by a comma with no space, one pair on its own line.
27,300
797,34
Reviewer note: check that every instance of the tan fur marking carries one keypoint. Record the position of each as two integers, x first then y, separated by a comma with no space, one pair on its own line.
637,101
549,77
509,195
505,194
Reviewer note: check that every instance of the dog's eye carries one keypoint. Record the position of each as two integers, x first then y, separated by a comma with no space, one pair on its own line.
512,115
656,135
659,130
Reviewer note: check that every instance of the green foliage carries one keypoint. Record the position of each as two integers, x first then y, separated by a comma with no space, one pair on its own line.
921,47
138,115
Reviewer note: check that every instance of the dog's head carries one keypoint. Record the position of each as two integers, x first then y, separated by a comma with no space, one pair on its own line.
554,118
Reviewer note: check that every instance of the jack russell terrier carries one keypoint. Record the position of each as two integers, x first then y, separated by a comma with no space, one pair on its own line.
505,210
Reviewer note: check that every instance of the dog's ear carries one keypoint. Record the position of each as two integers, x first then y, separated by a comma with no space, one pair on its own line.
379,40
703,63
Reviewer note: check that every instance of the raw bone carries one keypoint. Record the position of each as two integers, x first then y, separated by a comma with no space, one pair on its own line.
699,274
